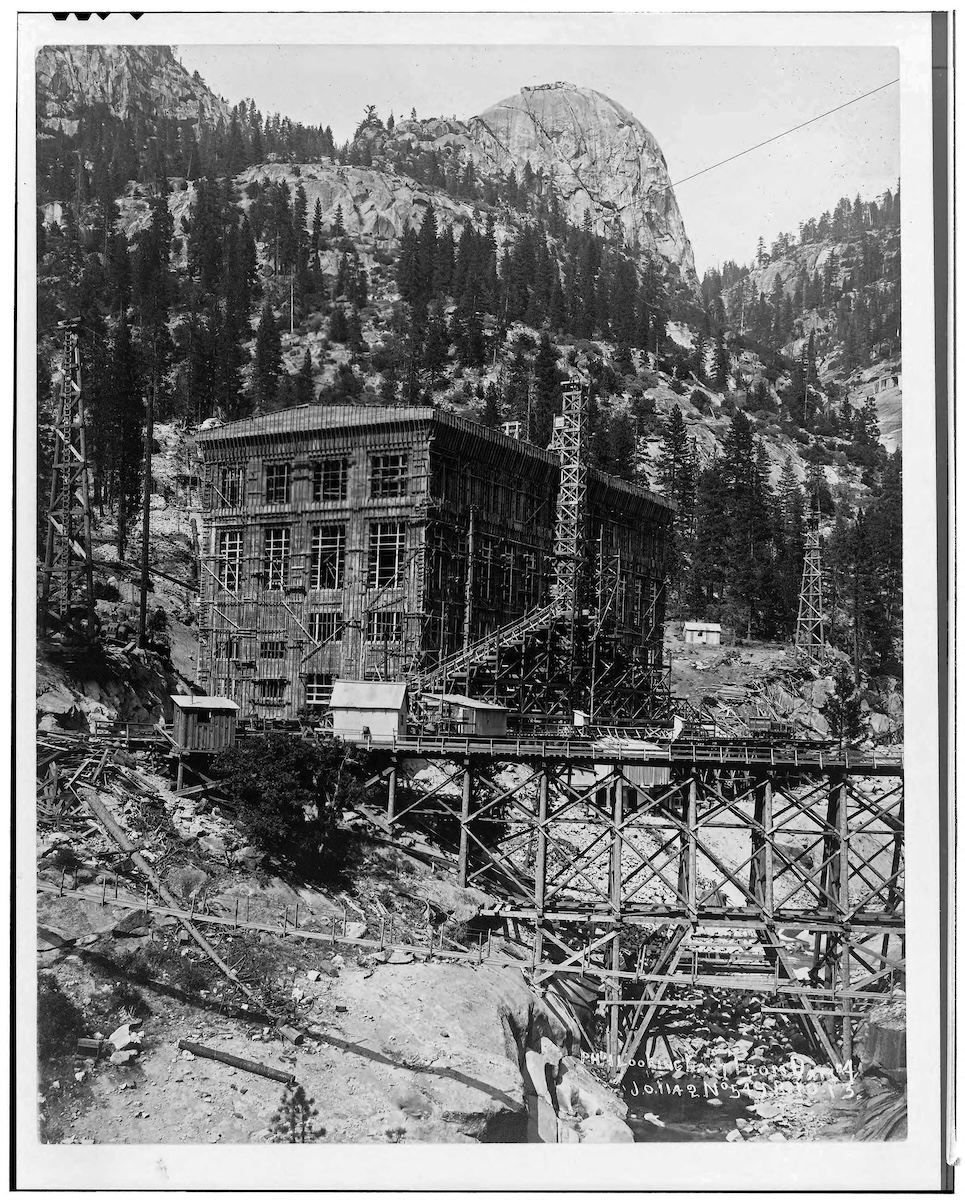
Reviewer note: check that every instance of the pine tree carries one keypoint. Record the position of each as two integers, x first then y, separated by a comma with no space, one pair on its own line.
316,230
304,384
547,392
338,226
721,363
294,1120
672,453
267,363
125,409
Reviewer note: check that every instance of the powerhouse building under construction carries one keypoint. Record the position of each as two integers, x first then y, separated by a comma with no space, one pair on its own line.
370,542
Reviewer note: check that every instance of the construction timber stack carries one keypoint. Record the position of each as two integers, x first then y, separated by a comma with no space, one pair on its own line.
407,543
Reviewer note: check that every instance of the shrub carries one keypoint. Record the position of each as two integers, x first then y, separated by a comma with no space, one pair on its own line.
104,590
59,1021
289,795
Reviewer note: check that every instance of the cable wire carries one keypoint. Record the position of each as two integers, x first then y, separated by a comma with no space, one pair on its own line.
777,136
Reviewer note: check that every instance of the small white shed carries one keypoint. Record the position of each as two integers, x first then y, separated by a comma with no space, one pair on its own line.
466,717
365,710
702,633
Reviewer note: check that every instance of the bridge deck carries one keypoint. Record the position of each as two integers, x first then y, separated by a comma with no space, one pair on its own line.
703,754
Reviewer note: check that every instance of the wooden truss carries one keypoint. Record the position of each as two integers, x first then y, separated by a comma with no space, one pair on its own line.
780,879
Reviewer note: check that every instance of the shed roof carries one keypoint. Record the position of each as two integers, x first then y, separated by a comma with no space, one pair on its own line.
465,701
207,703
710,626
367,694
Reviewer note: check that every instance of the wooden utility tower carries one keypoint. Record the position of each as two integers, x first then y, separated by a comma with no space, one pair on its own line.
809,637
67,588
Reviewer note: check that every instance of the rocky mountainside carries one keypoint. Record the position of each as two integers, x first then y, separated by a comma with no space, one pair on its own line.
130,80
602,158
603,165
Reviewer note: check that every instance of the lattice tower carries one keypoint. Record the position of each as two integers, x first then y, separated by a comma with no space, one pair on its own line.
67,590
809,637
570,437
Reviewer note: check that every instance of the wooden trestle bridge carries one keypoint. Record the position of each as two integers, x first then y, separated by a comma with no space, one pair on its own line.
775,870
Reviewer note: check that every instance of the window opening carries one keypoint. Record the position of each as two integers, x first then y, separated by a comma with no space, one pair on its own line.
278,483
277,555
389,474
328,556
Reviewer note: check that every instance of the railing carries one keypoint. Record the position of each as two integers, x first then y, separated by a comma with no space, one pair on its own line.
131,731
582,749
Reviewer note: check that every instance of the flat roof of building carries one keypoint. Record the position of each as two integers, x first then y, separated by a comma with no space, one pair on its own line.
367,694
206,703
708,626
309,418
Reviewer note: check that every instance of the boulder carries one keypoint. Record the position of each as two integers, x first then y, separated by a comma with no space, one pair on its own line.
588,1093
125,1037
412,1101
534,1077
185,882
542,1123
883,1039
133,924
604,1129
249,858
213,845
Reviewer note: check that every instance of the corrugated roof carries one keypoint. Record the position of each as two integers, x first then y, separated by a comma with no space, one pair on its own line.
465,701
710,626
206,703
367,694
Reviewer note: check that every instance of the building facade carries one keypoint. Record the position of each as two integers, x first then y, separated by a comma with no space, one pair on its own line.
371,542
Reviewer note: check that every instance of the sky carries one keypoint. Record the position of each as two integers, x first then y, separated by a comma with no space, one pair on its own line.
702,104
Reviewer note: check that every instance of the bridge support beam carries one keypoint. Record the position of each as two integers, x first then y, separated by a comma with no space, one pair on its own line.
811,850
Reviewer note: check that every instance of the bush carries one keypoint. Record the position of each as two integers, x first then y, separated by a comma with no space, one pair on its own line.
104,590
289,794
59,1021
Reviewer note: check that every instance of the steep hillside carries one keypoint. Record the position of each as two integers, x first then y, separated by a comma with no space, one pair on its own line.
128,80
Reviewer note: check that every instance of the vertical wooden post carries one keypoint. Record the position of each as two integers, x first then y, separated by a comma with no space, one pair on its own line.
692,848
464,823
840,787
393,775
769,846
616,907
540,882
180,782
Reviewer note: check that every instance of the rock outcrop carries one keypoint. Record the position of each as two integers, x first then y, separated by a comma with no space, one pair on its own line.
602,160
128,79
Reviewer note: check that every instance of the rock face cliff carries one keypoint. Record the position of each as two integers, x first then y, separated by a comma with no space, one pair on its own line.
129,79
601,157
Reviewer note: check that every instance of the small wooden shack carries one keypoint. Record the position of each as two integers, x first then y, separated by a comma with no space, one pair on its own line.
204,724
465,717
365,710
702,633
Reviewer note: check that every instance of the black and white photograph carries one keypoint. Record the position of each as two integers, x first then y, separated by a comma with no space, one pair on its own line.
477,489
